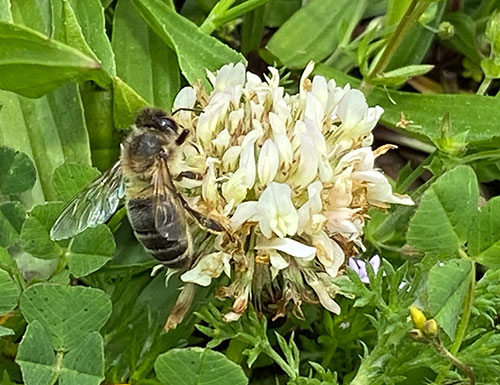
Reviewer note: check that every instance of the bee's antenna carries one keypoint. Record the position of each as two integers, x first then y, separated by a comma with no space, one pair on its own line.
199,110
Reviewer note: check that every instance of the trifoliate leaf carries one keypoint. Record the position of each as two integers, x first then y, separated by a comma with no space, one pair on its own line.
197,366
68,313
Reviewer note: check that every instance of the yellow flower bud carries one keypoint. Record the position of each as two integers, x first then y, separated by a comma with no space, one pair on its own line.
430,328
417,317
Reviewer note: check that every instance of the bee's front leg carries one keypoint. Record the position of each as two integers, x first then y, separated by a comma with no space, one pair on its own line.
188,175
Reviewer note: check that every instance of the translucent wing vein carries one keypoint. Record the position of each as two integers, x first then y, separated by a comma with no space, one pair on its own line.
92,206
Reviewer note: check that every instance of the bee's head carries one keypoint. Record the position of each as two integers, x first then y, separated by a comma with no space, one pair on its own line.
157,119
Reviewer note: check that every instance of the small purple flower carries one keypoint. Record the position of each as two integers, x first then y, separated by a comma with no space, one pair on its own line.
359,266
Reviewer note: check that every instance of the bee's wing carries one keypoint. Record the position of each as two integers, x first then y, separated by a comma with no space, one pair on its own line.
92,206
170,220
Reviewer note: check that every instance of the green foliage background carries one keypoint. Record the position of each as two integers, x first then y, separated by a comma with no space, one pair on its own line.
74,73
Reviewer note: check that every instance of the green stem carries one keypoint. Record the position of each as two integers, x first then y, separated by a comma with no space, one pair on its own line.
366,373
438,345
407,182
462,328
484,86
411,16
210,23
266,348
225,15
491,154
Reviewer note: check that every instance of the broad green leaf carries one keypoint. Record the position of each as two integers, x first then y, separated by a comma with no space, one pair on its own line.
32,65
12,216
5,12
10,292
68,313
441,223
252,30
6,331
35,238
143,60
487,171
47,213
90,250
17,173
35,269
426,111
447,286
36,356
70,178
84,364
195,50
33,14
484,237
67,30
197,366
126,104
314,31
90,15
53,122
279,11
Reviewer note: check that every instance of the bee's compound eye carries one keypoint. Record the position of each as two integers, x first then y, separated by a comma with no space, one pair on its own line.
167,124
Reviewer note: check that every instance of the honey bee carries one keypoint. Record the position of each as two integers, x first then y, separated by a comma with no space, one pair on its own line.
157,212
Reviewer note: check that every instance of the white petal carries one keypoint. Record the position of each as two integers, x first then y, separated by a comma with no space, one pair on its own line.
245,211
209,187
308,163
289,246
277,124
247,157
319,89
196,276
284,148
235,118
208,267
329,253
221,141
230,158
305,75
276,211
186,98
352,109
235,190
312,206
379,190
277,260
324,298
267,165
314,109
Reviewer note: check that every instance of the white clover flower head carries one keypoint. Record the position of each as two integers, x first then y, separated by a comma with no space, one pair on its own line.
290,176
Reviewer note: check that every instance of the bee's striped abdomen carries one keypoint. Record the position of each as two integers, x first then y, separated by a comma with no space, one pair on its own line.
171,252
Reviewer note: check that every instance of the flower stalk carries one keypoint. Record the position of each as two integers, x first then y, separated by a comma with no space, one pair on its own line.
409,19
